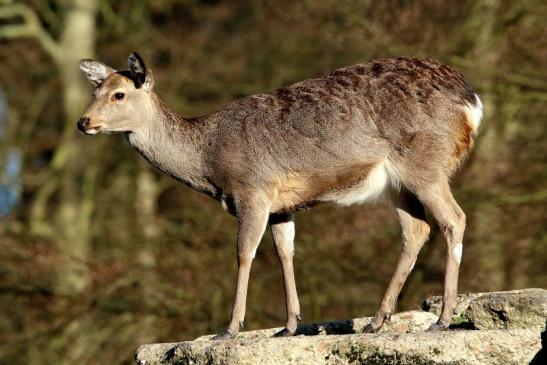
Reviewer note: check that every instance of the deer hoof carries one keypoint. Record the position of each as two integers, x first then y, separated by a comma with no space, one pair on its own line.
224,336
370,328
437,326
284,333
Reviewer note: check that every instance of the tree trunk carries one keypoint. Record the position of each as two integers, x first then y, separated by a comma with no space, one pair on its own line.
74,164
73,219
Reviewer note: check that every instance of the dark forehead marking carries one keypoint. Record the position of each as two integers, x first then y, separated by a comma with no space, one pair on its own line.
116,79
127,74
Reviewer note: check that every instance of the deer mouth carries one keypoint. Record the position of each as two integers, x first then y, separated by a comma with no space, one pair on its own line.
92,130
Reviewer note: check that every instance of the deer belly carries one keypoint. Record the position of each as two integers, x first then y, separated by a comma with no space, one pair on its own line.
351,186
369,188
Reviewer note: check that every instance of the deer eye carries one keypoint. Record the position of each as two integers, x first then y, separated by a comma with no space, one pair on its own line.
119,96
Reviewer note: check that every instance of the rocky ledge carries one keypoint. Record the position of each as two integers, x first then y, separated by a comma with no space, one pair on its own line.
490,328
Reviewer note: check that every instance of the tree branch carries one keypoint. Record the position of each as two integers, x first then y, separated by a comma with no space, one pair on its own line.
31,27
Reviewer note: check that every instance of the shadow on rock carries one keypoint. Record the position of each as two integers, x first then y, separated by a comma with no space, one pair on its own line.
328,328
541,356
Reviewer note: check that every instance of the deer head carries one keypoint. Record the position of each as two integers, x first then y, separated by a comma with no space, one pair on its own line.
122,99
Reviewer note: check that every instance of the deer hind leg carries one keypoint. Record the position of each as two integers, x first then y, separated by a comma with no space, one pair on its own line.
451,220
415,232
283,236
253,217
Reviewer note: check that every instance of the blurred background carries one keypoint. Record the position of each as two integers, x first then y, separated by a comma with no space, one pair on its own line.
100,253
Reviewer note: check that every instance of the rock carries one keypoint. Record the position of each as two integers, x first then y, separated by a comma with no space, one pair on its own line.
411,321
512,309
449,347
507,329
526,308
434,303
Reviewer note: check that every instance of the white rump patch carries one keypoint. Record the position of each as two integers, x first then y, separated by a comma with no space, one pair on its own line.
371,187
457,252
474,113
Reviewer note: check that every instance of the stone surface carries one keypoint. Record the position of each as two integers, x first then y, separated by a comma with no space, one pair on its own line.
508,328
449,347
411,321
434,303
512,309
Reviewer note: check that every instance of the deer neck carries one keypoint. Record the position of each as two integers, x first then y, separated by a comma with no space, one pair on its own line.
173,144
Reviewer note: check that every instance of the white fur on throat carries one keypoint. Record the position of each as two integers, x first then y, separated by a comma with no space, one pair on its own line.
371,187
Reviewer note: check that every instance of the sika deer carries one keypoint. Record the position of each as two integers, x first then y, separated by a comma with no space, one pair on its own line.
403,125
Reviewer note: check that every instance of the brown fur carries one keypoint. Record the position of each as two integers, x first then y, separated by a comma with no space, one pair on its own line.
296,192
464,138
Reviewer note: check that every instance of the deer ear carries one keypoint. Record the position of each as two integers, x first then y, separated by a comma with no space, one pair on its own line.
142,77
148,81
137,69
95,72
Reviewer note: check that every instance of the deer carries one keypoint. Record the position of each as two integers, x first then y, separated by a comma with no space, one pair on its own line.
397,127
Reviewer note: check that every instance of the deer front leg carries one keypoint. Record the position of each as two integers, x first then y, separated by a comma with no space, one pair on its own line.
283,236
252,217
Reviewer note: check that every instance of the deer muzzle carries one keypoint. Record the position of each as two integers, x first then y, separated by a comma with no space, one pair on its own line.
84,124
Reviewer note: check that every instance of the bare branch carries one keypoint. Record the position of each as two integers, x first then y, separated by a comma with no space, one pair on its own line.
31,27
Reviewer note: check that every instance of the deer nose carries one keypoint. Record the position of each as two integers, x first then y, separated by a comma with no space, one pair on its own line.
82,123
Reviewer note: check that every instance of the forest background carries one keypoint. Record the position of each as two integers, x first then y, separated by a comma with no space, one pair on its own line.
100,253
